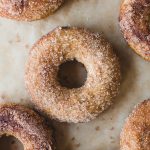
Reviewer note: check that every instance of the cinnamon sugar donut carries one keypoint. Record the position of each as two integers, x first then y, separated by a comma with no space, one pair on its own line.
136,132
69,46
28,10
135,25
25,125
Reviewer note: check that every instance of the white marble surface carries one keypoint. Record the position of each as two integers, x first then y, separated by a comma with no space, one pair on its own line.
16,38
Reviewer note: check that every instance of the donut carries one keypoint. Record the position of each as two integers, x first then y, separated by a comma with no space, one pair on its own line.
25,125
135,25
28,10
72,46
136,131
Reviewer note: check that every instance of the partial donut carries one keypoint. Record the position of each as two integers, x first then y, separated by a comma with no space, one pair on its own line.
25,125
28,10
136,132
55,89
135,25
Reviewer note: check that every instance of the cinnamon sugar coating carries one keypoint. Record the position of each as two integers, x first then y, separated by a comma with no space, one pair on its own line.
78,104
135,25
28,10
136,132
25,125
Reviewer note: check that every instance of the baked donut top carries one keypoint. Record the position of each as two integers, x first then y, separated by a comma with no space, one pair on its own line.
141,125
136,132
141,19
135,24
14,7
75,104
28,10
25,125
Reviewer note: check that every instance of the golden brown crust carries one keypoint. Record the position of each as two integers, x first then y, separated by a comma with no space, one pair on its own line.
103,74
28,10
26,125
136,132
134,23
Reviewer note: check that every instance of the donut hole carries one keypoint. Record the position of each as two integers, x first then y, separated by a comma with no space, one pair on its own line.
72,74
10,143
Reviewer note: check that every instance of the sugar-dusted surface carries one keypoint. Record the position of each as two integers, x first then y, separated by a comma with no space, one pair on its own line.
97,15
134,23
28,10
136,131
26,125
79,104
